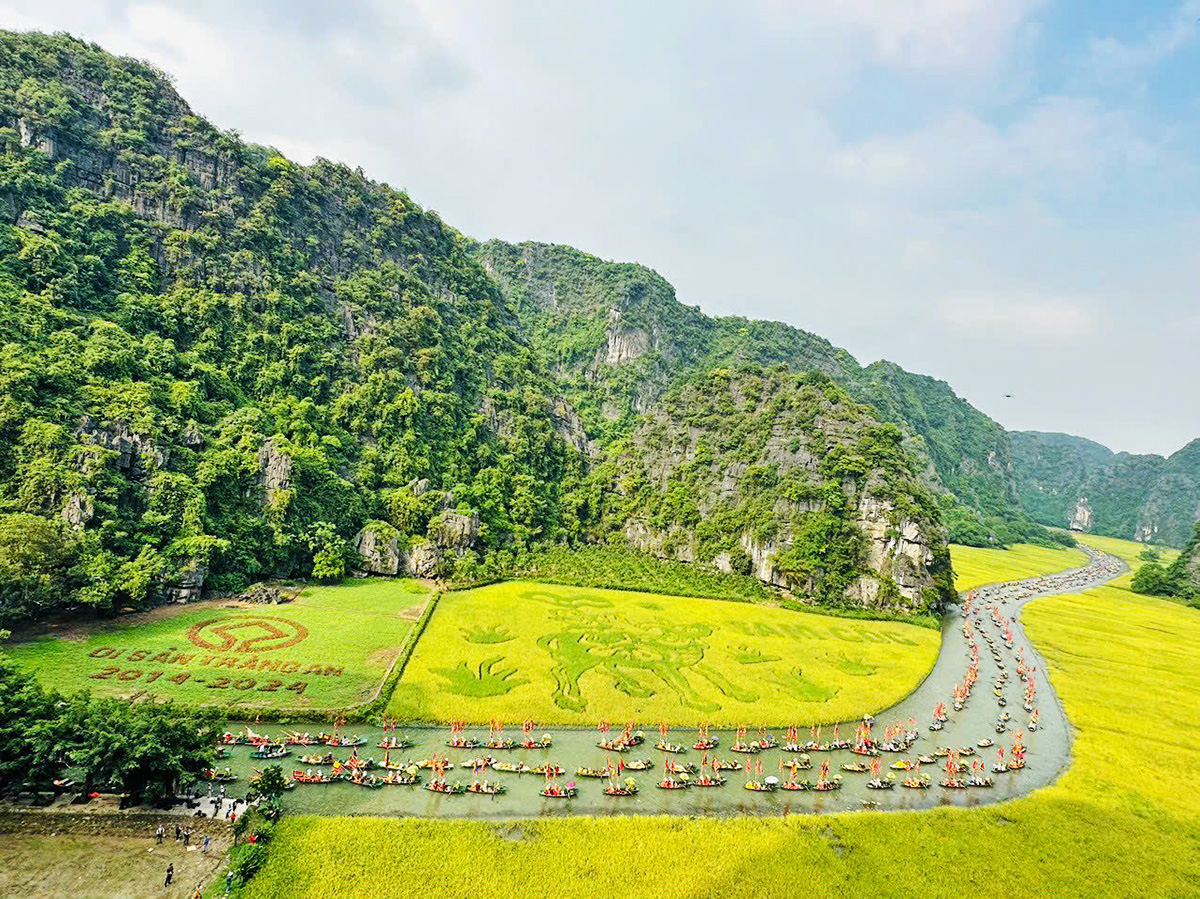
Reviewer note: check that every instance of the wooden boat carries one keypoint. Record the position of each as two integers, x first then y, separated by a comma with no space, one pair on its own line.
370,781
672,784
710,743
543,743
708,780
646,765
485,761
926,759
614,745
276,751
796,786
591,772
326,759
428,764
628,790
880,784
827,786
746,748
804,764
396,743
303,777
953,783
664,746
942,752
901,765
463,743
502,745
979,782
760,787
855,767
966,750
342,742
723,765
220,777
560,792
511,767
986,742
487,789
547,768
440,786
222,753
396,779
914,784
861,749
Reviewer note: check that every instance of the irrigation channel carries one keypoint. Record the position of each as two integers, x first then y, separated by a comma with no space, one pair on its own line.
1047,749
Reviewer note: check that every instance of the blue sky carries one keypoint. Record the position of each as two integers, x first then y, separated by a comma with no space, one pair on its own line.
1003,194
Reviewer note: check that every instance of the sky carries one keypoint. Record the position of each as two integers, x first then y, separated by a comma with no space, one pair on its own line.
1004,194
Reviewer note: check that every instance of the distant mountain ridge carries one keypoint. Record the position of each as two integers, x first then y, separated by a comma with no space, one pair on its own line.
1068,481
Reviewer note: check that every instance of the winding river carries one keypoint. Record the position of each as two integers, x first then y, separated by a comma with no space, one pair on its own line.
1049,748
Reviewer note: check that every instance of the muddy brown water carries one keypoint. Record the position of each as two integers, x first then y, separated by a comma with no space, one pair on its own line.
1048,748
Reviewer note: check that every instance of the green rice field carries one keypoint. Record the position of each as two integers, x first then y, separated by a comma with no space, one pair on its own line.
330,648
571,655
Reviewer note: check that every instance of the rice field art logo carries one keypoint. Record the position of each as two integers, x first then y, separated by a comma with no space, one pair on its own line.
253,633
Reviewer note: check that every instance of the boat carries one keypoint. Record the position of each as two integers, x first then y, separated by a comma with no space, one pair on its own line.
926,759
796,786
547,768
313,777
511,767
664,746
647,764
912,783
567,792
709,780
341,742
396,743
966,750
827,786
761,786
296,739
326,759
431,763
485,761
217,776
487,789
671,783
976,781
394,778
855,767
953,783
440,786
370,781
880,784
862,749
463,743
942,752
544,743
986,742
936,725
502,745
222,753
724,765
747,748
902,765
707,743
629,788
273,751
591,772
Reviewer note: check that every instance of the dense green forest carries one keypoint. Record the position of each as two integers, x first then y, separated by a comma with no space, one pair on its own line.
219,366
1180,579
617,339
1066,480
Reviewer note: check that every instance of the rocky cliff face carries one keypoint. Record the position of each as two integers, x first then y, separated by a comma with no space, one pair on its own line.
1069,481
786,479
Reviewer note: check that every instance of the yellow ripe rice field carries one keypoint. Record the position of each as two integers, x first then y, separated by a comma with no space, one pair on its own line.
975,566
571,655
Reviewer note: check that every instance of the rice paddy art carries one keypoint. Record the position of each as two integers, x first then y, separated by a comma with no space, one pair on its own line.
568,655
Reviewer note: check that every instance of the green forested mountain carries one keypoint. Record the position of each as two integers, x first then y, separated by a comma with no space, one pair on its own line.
219,366
1068,481
617,339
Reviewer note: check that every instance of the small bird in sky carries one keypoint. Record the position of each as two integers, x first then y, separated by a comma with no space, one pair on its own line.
1008,396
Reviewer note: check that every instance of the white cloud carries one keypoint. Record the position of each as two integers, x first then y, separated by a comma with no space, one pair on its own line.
1022,316
1113,59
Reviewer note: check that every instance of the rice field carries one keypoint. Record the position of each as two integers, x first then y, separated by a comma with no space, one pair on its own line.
572,655
1124,820
975,566
329,648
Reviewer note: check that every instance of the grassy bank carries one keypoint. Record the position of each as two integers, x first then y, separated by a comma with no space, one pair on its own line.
330,648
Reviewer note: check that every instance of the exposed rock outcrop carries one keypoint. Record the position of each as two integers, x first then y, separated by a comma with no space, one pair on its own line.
275,470
1081,516
135,454
378,546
